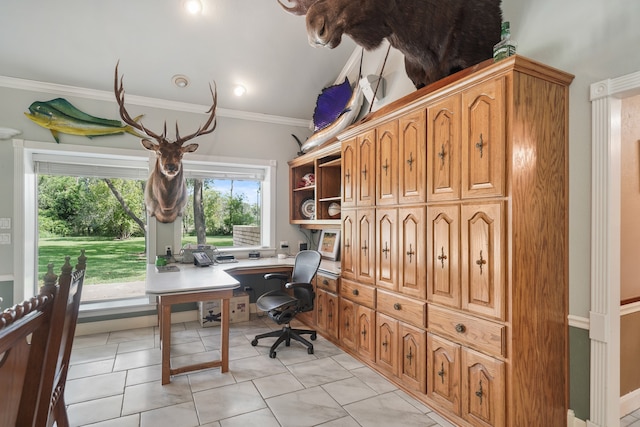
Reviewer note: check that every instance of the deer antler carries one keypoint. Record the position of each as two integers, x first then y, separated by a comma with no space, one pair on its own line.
300,7
118,88
202,130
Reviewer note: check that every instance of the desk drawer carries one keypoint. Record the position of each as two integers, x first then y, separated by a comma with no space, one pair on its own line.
327,283
402,308
358,293
470,331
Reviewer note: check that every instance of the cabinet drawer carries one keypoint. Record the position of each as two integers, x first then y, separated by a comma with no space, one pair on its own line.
402,308
359,293
327,283
471,331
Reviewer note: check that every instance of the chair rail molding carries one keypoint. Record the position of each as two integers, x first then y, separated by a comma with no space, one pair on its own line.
604,315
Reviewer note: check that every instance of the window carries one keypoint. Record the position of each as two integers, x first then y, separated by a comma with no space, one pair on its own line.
92,174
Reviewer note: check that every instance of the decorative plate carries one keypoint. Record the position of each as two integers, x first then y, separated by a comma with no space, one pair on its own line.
308,209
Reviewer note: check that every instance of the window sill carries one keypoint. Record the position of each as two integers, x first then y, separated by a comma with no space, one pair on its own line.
114,307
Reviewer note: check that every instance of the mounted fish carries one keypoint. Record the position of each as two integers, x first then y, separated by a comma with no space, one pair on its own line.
337,107
60,116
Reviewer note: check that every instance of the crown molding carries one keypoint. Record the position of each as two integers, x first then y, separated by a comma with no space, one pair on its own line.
100,95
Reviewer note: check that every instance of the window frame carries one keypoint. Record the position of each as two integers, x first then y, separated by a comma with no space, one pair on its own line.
25,201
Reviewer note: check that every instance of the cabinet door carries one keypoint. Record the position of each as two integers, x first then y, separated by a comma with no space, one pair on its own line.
412,158
366,161
386,248
332,312
413,362
412,278
387,164
348,325
350,249
366,332
443,373
483,389
321,309
366,246
443,149
443,235
481,259
349,173
387,344
483,141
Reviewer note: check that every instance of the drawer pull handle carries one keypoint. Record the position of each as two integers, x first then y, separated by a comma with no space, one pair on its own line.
480,393
397,306
460,328
325,282
442,257
355,292
410,161
480,145
385,167
441,372
347,175
410,252
481,262
386,249
441,155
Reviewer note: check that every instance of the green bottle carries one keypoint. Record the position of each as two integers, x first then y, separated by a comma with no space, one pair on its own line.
505,47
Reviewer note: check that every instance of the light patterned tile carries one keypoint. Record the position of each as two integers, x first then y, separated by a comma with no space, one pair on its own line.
228,401
349,390
137,359
94,387
374,379
128,421
277,384
93,354
93,411
261,418
181,415
82,370
130,335
318,372
153,395
255,367
308,407
386,410
208,379
129,346
144,375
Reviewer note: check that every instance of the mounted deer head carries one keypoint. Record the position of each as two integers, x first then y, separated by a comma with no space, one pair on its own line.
166,191
436,37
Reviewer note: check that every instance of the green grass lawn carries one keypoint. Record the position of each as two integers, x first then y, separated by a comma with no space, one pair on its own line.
108,260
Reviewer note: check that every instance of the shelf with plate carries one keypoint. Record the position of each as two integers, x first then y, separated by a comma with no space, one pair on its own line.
315,184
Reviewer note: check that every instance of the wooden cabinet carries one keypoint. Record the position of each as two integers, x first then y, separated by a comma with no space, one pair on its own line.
412,158
455,237
315,183
327,309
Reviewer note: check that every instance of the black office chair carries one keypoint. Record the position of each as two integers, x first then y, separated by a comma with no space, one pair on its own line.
283,307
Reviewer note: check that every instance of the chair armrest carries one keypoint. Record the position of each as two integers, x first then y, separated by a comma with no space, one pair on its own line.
280,276
291,285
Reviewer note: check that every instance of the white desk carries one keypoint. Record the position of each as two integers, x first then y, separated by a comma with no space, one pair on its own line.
193,284
190,284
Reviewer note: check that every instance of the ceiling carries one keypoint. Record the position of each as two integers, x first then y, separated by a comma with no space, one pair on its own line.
250,42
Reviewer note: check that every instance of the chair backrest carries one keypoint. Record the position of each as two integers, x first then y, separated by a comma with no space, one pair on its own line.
24,334
51,407
305,266
35,347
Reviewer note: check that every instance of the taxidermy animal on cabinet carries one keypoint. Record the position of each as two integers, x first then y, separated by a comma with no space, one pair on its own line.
60,116
166,191
437,37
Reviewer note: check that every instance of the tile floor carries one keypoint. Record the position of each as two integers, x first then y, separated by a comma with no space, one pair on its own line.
114,381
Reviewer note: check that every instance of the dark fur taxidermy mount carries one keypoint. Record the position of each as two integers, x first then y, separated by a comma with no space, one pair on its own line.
437,37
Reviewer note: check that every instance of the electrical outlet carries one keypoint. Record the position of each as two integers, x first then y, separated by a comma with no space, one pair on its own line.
284,244
167,249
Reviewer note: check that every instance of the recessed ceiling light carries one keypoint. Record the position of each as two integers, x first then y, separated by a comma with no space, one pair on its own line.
239,90
194,7
180,80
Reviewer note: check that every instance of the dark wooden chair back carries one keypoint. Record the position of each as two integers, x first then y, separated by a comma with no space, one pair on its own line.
36,337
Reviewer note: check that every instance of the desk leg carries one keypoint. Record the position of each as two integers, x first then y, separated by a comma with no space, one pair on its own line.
224,328
165,340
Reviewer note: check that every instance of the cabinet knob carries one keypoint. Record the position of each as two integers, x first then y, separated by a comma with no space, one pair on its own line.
397,306
480,145
355,292
460,328
325,282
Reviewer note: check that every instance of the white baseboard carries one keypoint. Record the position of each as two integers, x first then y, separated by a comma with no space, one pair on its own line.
630,402
89,328
572,421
